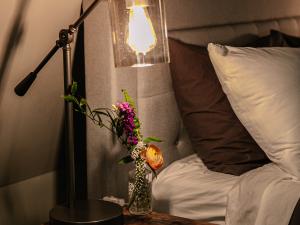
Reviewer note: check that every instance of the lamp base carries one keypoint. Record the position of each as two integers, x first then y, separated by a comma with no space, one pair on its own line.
90,212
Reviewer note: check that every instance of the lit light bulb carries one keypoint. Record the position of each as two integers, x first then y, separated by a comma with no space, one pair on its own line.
141,35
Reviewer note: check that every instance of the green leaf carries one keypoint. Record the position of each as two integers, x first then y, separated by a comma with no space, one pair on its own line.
99,121
131,148
100,112
151,139
112,119
74,88
70,98
83,102
128,99
137,123
125,160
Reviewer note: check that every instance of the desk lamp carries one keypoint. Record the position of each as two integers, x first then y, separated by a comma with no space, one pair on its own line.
139,37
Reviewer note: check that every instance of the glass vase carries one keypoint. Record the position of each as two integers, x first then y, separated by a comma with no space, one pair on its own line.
140,202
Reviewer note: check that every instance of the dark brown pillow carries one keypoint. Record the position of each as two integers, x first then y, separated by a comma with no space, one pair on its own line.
217,135
284,40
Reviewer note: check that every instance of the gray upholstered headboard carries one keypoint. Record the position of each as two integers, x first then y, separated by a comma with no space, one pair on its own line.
193,21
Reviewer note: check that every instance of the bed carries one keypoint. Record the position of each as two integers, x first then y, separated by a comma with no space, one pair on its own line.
197,22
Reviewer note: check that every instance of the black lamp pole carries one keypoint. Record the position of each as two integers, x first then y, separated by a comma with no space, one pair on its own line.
75,211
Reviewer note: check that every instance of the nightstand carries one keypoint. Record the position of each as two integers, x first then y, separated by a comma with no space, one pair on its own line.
158,219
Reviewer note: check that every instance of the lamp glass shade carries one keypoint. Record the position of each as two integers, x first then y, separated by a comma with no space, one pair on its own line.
139,32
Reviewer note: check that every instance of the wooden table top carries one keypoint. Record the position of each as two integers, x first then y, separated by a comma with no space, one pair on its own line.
156,218
160,219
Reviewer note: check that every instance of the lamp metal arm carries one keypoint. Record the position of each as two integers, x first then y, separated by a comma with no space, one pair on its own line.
65,37
80,20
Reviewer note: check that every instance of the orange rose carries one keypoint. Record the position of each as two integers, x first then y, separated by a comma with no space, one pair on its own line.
153,157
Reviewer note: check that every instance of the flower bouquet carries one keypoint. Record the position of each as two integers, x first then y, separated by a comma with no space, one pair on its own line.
123,122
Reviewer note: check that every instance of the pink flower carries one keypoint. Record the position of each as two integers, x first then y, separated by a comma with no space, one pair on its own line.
128,115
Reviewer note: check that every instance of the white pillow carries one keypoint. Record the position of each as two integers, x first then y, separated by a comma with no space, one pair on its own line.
263,87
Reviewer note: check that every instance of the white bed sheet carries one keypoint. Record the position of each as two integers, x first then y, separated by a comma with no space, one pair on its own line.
188,189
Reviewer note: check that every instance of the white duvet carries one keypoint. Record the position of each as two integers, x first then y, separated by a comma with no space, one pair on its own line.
264,196
188,189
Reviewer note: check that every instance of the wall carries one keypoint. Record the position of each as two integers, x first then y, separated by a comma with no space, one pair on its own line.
30,126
